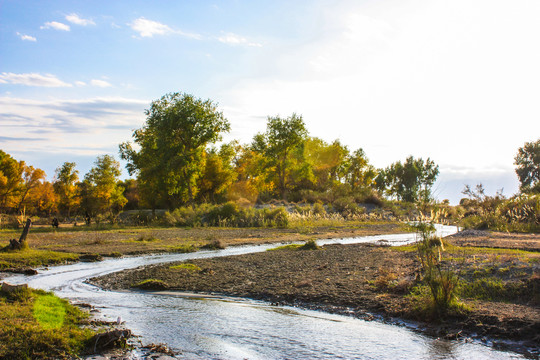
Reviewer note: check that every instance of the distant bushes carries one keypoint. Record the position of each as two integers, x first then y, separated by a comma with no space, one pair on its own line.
517,214
227,215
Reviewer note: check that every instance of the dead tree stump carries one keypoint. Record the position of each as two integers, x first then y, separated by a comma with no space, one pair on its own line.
21,243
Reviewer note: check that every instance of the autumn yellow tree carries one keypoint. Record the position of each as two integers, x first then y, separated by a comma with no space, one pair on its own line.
65,186
11,172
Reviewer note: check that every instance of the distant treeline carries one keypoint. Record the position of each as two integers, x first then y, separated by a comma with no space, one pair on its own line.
175,163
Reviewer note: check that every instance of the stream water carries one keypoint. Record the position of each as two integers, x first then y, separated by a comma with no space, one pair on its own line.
205,327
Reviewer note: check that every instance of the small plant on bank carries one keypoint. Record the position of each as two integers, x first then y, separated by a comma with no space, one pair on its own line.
186,266
182,249
152,284
310,245
215,244
441,280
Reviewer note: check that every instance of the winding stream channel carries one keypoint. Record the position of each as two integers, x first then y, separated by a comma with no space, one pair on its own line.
206,327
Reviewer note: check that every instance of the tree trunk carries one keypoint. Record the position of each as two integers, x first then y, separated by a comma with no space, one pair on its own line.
24,234
21,244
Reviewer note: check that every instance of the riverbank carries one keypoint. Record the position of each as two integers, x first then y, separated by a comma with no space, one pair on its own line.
49,248
499,287
68,245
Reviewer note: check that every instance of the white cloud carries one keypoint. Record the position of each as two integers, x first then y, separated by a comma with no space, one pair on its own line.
100,83
105,122
32,79
55,25
80,83
149,28
26,37
75,19
234,39
48,133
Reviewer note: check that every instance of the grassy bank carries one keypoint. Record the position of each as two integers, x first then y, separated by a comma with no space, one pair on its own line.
50,246
30,258
35,324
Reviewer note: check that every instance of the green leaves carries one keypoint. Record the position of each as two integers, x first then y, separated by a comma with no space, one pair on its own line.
178,129
527,163
410,181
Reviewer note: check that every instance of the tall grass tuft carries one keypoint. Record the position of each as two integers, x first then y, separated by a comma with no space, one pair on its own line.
442,281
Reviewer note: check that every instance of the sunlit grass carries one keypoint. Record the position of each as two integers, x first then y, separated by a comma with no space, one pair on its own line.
186,266
49,311
33,258
29,329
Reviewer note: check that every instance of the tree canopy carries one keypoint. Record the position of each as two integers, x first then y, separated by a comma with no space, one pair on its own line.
410,181
527,163
172,141
282,137
101,188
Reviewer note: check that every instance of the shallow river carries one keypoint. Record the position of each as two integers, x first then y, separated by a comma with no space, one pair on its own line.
232,328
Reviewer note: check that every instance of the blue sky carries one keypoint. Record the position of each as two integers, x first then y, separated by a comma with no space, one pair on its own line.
455,81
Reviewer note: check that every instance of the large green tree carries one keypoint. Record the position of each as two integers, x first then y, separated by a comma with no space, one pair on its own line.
101,190
410,181
170,145
360,174
281,140
527,163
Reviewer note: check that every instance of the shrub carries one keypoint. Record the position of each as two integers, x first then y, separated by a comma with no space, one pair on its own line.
186,266
182,249
152,284
318,209
310,245
442,282
214,245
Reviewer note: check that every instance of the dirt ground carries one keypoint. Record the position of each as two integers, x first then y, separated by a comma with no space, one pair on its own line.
361,280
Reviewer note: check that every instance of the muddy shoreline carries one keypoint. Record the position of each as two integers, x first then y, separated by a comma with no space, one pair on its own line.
365,281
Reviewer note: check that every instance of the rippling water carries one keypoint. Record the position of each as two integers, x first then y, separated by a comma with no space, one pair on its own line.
231,328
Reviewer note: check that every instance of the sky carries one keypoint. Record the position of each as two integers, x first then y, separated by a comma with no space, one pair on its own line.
456,81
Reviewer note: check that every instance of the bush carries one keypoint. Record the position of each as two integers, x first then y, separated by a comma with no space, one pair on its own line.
518,214
214,245
318,209
152,284
442,282
347,207
310,245
186,266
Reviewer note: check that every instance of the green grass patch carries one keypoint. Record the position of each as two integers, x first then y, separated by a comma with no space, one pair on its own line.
308,245
286,247
186,266
185,248
34,258
494,289
421,302
49,311
469,250
30,331
152,284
